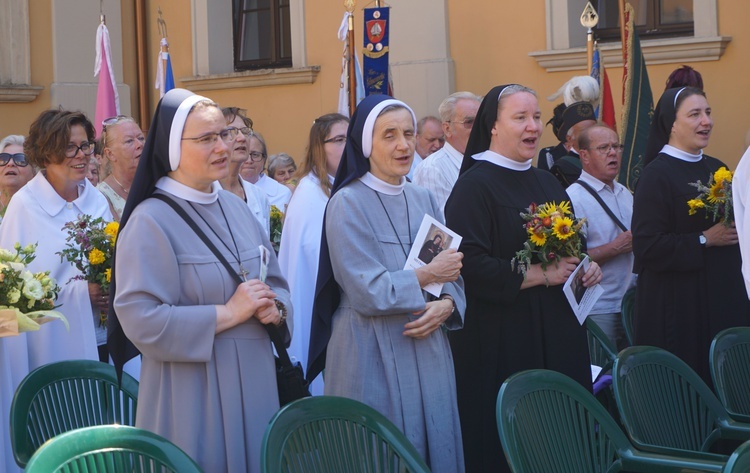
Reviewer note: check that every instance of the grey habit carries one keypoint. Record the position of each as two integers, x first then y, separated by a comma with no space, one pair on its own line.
212,395
410,381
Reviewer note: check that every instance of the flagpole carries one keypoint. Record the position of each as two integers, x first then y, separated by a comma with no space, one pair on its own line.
349,5
144,110
589,19
621,6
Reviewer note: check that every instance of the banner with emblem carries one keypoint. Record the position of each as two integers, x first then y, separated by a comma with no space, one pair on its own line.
375,53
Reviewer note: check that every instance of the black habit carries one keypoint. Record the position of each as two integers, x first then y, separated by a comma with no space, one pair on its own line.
686,293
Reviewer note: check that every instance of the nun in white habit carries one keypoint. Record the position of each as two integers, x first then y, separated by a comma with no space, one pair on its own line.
379,336
208,380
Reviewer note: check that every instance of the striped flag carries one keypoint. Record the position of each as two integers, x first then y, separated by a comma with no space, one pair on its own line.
164,76
107,101
344,84
606,109
637,104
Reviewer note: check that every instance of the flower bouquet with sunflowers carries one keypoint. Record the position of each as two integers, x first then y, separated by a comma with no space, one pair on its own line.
27,299
715,197
90,247
277,225
553,232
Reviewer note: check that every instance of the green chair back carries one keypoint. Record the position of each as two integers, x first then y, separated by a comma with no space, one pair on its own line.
327,434
110,449
601,350
67,395
730,371
628,314
739,461
665,406
549,423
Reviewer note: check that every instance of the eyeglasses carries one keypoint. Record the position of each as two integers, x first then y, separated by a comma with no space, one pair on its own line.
227,135
112,120
245,130
337,140
18,158
604,149
467,122
256,156
87,148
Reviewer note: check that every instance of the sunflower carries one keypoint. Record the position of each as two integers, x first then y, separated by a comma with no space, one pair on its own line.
562,228
112,229
539,239
694,205
716,193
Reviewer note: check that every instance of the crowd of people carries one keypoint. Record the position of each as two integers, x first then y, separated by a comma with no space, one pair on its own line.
197,287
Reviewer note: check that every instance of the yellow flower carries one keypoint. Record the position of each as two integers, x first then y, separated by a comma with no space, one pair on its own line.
96,256
275,213
716,193
112,229
564,207
694,205
539,239
108,274
563,228
722,174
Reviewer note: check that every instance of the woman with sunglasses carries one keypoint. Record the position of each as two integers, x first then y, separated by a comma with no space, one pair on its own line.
15,171
122,144
59,143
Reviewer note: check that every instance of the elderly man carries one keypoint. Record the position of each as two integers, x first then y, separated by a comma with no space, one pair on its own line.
607,207
439,171
576,118
430,138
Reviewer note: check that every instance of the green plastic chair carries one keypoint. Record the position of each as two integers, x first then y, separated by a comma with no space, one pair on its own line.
110,449
739,461
628,314
730,371
67,395
327,434
549,423
601,349
667,408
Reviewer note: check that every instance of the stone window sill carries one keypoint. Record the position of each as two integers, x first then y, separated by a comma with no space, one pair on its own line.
19,93
259,78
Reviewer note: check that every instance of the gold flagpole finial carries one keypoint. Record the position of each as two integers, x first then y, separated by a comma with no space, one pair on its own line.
589,19
349,5
161,24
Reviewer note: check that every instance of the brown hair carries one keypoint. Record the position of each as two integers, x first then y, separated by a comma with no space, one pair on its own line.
231,113
49,135
315,156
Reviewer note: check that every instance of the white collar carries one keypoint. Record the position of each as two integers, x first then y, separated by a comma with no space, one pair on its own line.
379,185
331,179
180,190
502,161
682,155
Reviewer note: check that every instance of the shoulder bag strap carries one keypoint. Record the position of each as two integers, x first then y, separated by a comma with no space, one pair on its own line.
601,202
273,332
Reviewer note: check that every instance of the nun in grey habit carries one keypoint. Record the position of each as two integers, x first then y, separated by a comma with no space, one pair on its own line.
208,381
380,337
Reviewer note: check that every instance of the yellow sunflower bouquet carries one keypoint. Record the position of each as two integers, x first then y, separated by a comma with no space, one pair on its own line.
553,233
277,225
90,247
715,197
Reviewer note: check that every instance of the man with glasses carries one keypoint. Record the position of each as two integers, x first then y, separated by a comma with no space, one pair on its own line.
439,171
607,207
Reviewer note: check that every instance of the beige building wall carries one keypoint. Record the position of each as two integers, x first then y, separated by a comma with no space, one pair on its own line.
438,47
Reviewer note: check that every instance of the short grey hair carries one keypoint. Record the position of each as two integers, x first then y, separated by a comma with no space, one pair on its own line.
447,109
423,120
279,160
11,140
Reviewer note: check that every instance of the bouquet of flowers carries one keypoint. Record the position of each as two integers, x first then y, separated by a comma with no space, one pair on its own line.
27,299
277,223
90,247
715,197
553,233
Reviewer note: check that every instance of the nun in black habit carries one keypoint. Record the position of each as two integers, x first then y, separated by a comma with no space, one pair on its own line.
690,283
511,324
208,378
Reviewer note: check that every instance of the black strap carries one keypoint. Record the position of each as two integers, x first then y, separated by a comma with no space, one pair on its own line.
601,202
273,332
